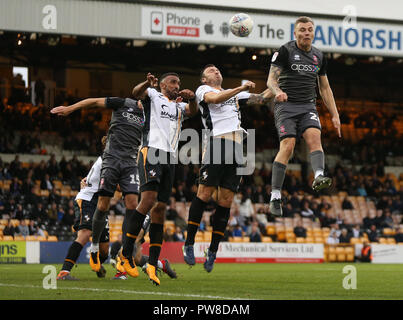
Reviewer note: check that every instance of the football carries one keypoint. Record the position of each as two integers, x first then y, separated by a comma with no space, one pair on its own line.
241,25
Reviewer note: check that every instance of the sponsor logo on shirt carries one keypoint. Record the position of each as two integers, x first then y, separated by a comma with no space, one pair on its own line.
132,118
304,67
166,115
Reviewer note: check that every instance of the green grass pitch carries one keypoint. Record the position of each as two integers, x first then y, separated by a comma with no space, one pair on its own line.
225,282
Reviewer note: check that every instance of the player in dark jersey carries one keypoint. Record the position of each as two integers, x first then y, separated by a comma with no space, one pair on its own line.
119,162
295,71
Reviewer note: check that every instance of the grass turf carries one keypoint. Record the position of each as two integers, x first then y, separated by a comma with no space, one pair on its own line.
225,282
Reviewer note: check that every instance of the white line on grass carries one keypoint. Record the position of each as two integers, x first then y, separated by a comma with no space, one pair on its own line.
196,296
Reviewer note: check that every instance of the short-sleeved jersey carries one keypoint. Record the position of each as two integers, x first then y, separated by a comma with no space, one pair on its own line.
300,70
125,128
163,121
93,178
223,117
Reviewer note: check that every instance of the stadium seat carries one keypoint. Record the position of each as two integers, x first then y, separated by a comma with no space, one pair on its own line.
319,240
341,254
52,238
199,237
388,232
355,240
383,241
19,238
270,230
207,236
391,241
309,240
8,238
267,239
31,238
41,238
300,240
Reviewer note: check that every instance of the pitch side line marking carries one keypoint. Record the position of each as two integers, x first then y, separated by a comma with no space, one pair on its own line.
128,291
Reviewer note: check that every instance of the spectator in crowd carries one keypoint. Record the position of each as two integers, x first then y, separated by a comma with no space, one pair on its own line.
259,196
24,229
15,188
289,211
68,218
299,230
399,235
9,229
254,234
344,236
366,255
52,211
39,92
333,238
46,184
38,213
387,220
306,211
346,204
237,231
171,213
373,234
356,231
179,235
18,212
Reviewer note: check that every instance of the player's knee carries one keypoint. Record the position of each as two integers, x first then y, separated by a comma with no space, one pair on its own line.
103,203
204,193
83,236
158,213
131,201
287,146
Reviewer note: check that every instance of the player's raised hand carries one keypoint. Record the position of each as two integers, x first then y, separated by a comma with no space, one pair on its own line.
83,183
249,85
187,94
337,125
62,110
281,96
152,80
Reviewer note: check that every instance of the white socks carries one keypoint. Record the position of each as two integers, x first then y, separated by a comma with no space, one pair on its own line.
94,247
318,173
275,194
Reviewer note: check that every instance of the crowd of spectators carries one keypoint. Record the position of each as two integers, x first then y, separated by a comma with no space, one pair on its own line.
22,123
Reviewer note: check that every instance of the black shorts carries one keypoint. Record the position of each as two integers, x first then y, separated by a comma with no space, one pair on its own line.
117,171
84,211
220,164
156,175
293,119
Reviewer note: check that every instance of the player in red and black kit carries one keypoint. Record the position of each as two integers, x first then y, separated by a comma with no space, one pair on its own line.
296,70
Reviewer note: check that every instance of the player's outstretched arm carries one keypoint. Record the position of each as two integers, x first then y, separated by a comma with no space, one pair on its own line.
140,91
262,99
328,98
219,97
272,84
86,103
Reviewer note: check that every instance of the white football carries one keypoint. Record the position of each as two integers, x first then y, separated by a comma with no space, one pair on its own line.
241,25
